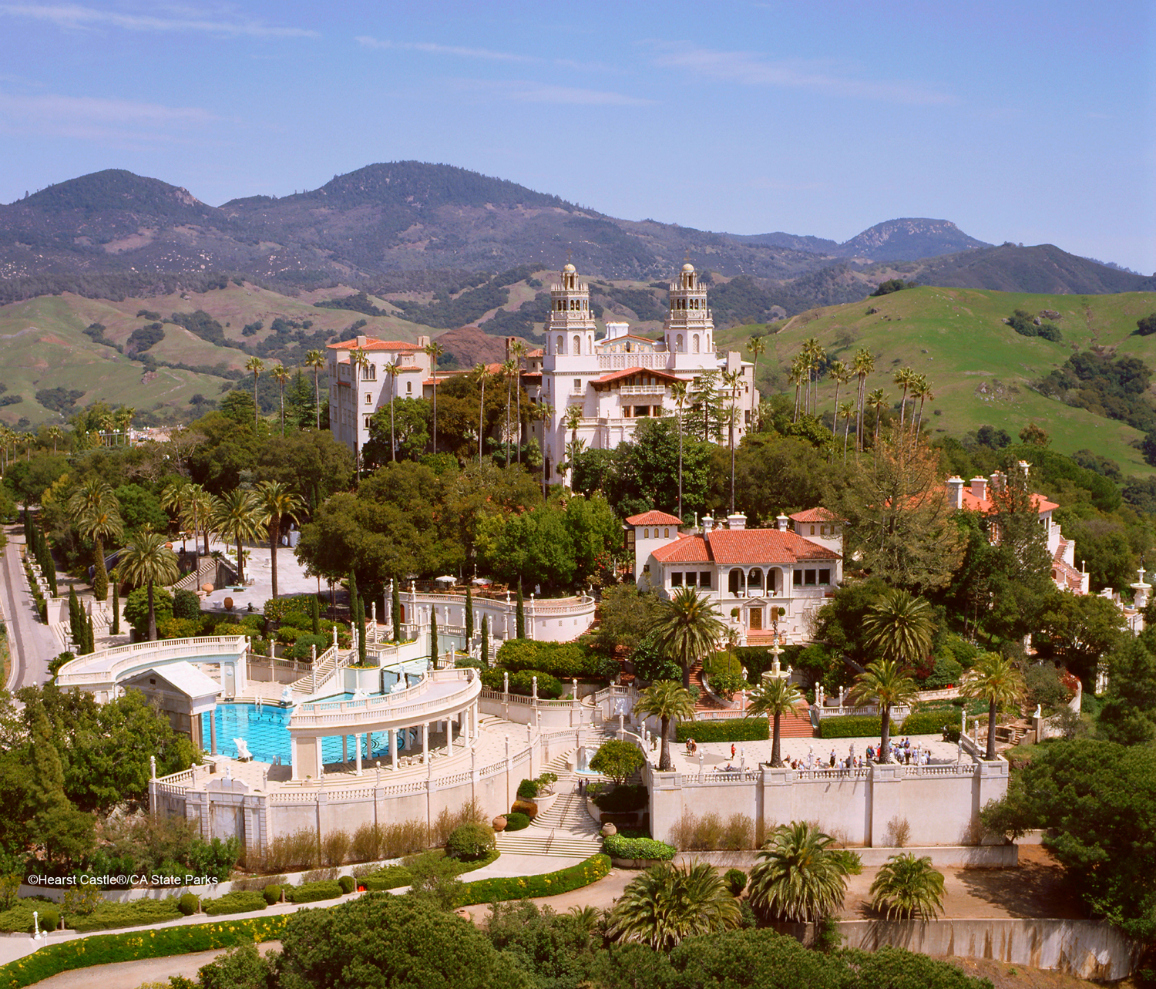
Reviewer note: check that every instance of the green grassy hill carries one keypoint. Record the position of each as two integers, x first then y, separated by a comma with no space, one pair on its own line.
979,368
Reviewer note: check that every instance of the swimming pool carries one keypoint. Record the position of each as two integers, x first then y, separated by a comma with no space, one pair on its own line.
266,732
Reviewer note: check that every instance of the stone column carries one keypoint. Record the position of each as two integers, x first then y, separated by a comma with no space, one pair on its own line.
357,747
391,741
213,732
344,748
425,742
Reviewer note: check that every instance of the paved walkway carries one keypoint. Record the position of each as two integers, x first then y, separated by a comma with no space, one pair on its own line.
31,643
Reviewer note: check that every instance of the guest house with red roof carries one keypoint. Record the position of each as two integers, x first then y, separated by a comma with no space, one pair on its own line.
976,496
746,573
360,382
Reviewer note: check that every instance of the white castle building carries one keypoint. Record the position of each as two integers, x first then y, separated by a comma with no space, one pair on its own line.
598,389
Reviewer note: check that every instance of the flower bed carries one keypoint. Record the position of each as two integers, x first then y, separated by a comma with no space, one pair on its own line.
104,949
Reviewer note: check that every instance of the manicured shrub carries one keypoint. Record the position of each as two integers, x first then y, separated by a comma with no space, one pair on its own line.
616,846
301,647
327,889
524,887
730,730
188,903
516,821
522,682
928,722
851,726
272,894
186,604
391,877
240,901
528,790
138,913
564,660
736,881
347,883
469,842
527,807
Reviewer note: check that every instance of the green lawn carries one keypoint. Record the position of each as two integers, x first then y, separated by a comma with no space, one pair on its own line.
979,368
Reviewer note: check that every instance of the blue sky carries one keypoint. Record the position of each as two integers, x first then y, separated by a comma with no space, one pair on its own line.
1033,122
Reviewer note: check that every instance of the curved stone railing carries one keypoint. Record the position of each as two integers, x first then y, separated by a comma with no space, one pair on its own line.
106,667
403,707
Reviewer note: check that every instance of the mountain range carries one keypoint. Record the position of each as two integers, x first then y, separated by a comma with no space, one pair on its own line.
407,226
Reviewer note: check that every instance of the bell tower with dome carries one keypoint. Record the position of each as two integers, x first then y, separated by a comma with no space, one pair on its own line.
570,327
689,329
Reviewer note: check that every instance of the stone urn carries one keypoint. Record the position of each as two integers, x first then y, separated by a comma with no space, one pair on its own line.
608,830
228,602
499,823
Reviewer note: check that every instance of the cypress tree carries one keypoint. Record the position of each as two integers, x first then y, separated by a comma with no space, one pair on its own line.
485,640
90,634
395,606
469,617
315,614
361,650
352,597
433,636
50,567
74,619
520,616
116,608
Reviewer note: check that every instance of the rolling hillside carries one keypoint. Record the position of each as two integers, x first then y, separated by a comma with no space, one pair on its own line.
979,368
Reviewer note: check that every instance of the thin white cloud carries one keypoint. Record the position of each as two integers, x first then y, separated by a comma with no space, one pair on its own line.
429,48
751,69
75,16
107,121
533,92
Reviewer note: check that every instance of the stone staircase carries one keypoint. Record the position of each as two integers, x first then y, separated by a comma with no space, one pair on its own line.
565,830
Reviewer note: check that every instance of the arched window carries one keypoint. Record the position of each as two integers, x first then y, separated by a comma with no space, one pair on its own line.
734,584
678,343
645,533
577,344
695,343
559,345
666,533
755,579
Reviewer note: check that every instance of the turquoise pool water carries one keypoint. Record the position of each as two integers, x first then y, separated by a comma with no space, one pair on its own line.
266,732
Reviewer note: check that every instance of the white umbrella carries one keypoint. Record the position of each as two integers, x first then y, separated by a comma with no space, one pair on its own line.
445,580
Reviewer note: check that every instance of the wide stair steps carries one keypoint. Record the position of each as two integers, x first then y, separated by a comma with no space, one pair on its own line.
564,830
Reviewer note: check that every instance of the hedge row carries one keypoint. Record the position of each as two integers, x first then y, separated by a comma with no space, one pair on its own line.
327,889
524,887
851,726
565,660
522,682
929,722
730,730
619,847
239,901
104,949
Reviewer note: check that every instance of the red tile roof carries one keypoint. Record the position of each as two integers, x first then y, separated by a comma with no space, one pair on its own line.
372,343
745,546
985,505
617,375
653,518
815,515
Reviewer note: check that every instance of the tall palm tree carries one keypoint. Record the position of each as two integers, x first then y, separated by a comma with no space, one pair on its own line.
756,347
904,377
54,433
877,401
508,371
238,517
847,413
813,353
280,374
197,514
861,366
840,374
899,627
481,373
799,877
518,351
573,420
316,360
678,393
686,627
148,561
543,412
908,887
733,380
668,903
884,682
393,370
97,517
920,389
998,681
434,350
124,417
254,365
774,697
278,502
665,700
174,500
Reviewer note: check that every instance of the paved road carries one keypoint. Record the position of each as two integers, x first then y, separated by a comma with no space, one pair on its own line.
31,643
